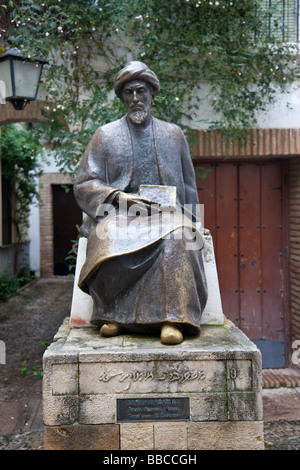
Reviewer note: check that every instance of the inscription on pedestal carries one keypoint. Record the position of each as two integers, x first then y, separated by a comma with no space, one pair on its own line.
152,377
153,409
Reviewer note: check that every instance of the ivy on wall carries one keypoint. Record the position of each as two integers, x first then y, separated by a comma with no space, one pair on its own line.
20,166
233,47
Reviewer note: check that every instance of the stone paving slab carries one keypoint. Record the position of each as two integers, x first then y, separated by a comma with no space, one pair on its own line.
281,404
21,416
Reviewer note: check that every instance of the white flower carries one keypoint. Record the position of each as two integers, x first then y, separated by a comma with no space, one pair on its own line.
47,34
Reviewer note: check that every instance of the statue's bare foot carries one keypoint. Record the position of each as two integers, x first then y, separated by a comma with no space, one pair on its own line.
110,329
170,334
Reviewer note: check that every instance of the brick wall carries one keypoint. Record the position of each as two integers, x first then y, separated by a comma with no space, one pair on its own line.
46,218
31,112
261,143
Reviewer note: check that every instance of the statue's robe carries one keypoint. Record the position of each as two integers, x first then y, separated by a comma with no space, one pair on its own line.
139,281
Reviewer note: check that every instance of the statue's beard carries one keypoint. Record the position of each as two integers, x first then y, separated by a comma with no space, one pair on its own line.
137,116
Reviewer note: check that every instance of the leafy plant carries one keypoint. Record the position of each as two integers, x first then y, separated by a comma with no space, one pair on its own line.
71,258
19,156
202,172
26,370
20,165
227,53
9,284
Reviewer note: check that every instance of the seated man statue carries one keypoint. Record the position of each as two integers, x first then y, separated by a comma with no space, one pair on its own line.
150,282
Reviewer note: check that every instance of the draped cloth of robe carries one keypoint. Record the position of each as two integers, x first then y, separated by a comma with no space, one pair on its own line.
139,282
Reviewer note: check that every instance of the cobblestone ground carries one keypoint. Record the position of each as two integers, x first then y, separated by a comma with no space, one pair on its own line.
282,435
27,441
28,321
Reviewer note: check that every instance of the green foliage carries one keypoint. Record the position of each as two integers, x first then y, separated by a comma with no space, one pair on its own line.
71,258
202,172
26,370
9,284
226,45
19,156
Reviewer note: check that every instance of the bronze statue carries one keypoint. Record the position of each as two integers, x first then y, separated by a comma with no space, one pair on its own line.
140,280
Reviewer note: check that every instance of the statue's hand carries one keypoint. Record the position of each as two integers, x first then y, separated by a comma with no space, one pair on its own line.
127,200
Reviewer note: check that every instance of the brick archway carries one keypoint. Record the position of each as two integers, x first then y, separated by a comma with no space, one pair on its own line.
32,112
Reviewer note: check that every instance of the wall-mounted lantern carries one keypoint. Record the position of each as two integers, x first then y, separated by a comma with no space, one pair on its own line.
21,76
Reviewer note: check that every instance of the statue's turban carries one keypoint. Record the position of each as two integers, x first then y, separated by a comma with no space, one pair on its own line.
135,70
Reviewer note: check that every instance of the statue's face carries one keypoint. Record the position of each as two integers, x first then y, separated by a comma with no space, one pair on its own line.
137,97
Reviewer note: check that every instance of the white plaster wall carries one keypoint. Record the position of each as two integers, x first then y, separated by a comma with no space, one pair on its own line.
282,114
34,237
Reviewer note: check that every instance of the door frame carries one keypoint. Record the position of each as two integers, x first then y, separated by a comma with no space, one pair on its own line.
285,235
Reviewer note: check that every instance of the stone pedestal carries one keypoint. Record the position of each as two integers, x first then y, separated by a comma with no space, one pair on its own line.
131,392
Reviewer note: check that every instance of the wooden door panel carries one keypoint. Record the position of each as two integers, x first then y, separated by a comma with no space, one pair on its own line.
250,250
272,252
244,212
226,240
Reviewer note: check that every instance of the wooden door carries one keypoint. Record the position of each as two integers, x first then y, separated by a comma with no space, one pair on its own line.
244,210
67,218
